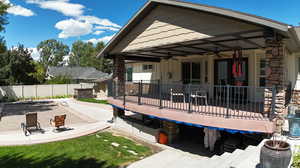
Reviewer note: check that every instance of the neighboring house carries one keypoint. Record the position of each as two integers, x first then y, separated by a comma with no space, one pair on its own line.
83,75
206,67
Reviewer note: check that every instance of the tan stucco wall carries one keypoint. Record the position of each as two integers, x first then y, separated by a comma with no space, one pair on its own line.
174,66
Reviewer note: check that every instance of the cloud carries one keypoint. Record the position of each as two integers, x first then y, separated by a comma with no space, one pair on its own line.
98,32
107,28
73,28
17,9
35,53
98,21
62,6
77,24
104,39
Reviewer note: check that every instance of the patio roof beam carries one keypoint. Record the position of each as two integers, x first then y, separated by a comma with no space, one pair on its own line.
218,44
139,58
249,41
146,55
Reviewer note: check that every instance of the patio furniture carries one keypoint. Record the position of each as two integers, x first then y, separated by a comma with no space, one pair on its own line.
174,93
58,122
31,122
200,94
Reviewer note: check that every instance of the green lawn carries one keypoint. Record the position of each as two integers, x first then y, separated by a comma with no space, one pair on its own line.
94,151
91,100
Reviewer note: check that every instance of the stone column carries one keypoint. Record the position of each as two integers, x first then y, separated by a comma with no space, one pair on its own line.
119,81
119,74
275,52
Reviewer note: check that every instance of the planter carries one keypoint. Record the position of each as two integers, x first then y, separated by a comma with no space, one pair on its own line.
275,154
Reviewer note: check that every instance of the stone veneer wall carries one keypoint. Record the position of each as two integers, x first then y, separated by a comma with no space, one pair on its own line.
119,74
296,98
275,52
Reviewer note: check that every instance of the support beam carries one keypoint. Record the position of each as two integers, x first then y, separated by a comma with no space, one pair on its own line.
216,43
249,41
140,58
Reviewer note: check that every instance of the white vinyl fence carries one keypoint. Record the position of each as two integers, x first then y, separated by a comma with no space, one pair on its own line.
39,91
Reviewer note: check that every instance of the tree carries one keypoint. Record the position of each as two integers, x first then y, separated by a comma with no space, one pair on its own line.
82,54
18,66
40,73
85,55
52,53
3,17
105,65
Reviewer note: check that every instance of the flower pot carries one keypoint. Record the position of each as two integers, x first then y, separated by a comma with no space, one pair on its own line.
275,154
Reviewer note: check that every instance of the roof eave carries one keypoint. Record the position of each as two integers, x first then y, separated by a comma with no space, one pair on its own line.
281,27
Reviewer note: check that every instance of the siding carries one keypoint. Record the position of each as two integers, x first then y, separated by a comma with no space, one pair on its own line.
166,25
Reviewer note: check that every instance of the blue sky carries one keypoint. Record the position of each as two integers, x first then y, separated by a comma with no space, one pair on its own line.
31,21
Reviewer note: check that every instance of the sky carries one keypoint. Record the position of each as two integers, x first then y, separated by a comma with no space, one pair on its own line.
32,21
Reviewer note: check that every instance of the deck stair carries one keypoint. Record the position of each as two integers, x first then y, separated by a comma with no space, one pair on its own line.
248,158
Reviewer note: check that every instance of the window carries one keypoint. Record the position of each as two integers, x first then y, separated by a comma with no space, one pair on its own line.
147,67
191,72
262,72
129,74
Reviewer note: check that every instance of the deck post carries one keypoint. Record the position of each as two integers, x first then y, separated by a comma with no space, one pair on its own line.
140,92
227,100
160,94
189,98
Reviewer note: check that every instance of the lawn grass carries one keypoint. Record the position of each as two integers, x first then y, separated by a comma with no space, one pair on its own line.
92,100
93,151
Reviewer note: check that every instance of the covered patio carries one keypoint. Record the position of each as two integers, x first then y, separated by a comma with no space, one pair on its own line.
166,30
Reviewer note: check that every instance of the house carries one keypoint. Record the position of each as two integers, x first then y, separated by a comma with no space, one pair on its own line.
83,75
204,66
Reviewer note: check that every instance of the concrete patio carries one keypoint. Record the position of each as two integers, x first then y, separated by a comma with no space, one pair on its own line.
82,119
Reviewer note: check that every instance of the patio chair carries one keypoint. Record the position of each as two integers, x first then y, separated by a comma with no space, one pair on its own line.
31,124
58,122
174,93
200,94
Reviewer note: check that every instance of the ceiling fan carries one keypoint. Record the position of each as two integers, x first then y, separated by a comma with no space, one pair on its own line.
217,52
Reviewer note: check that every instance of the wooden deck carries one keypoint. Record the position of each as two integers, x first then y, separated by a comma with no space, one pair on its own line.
207,115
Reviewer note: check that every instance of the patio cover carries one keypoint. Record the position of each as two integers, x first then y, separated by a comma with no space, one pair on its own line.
165,28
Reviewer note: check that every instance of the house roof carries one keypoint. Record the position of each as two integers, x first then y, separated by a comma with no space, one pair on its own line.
84,73
151,4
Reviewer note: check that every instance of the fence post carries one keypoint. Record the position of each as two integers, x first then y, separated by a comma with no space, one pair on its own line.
124,94
52,90
160,94
36,94
273,101
67,90
189,94
140,92
227,100
22,92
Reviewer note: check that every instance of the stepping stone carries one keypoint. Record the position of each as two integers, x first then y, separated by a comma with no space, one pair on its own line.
132,152
115,144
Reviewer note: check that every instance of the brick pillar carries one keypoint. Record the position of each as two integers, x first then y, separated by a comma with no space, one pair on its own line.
119,80
171,129
275,77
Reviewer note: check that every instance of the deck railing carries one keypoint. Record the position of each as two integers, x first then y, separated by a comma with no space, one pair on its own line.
226,101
